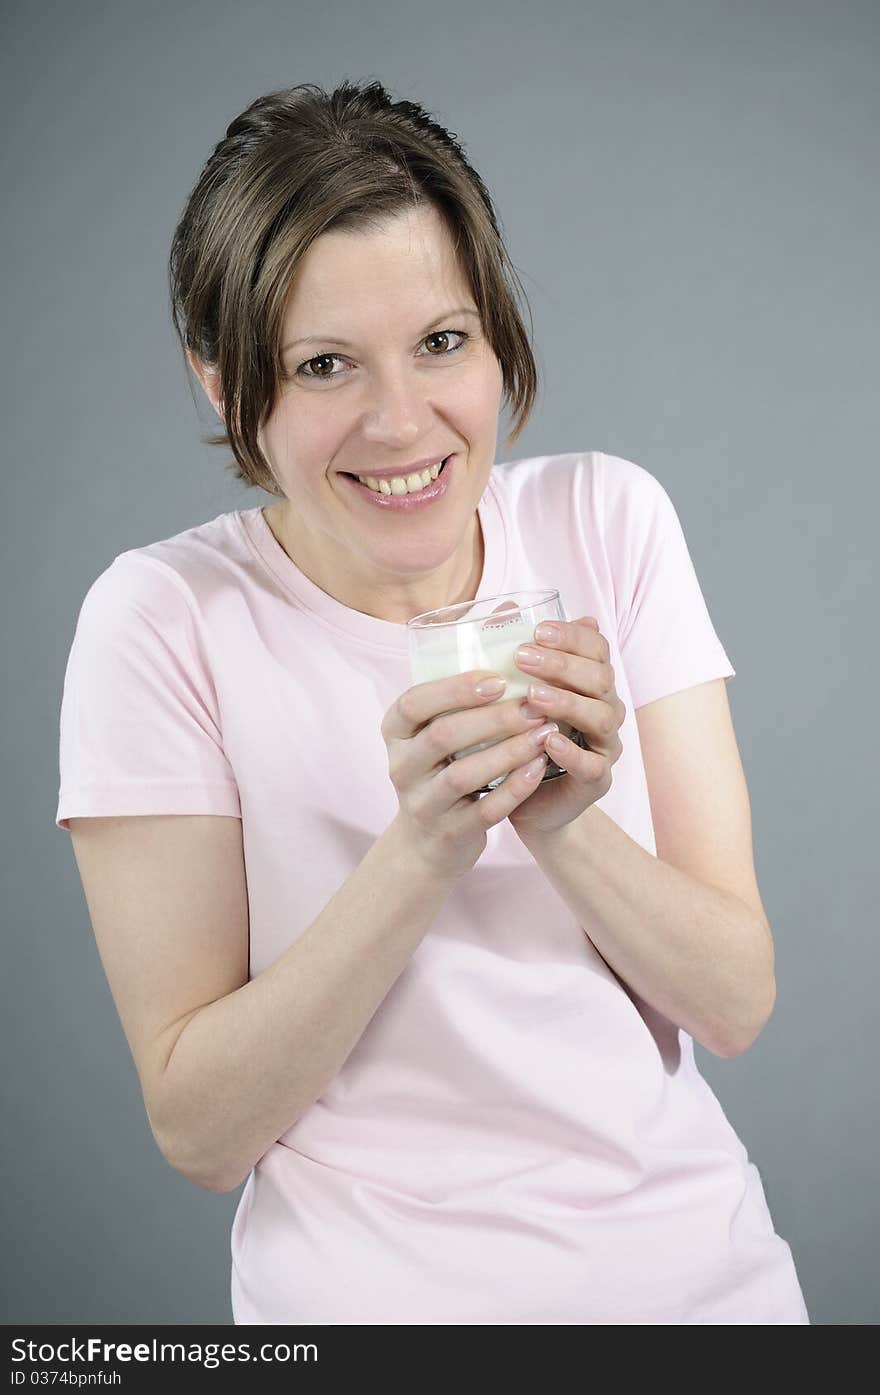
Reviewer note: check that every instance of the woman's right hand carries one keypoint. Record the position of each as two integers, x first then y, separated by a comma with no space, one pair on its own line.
443,815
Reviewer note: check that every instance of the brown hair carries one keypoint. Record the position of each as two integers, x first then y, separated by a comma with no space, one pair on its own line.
293,165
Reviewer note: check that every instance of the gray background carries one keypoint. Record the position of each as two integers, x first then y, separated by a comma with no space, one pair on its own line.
689,192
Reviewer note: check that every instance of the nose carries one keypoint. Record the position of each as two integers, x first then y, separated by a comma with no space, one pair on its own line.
396,415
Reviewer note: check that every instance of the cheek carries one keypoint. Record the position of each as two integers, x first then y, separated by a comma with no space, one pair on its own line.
476,398
295,434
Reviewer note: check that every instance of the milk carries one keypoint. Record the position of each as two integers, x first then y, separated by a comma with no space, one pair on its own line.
460,648
490,645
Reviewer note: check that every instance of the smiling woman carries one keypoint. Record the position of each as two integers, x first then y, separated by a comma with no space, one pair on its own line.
396,405
299,166
406,294
443,1036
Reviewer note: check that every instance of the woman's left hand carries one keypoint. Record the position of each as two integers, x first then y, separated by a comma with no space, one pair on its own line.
576,670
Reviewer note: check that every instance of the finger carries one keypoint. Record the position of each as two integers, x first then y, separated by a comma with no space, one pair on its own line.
423,701
465,750
595,718
513,791
477,769
589,766
452,733
578,668
573,635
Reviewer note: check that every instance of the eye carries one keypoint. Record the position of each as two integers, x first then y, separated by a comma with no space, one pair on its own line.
320,358
308,369
444,334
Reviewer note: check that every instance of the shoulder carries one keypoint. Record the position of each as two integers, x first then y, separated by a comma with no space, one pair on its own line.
563,466
615,475
636,506
546,482
163,578
134,590
605,492
626,481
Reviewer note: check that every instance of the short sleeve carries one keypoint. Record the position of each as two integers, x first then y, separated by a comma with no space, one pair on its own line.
666,637
139,721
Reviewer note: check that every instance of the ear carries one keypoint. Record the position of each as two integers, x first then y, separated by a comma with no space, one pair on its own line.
209,379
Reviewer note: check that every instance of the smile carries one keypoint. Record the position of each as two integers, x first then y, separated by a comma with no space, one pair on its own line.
406,492
403,484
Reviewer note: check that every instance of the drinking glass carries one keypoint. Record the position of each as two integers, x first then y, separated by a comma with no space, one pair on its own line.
485,634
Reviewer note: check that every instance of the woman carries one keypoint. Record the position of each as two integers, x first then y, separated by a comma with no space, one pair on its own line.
446,1039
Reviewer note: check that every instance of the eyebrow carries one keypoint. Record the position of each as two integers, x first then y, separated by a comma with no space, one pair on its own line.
345,344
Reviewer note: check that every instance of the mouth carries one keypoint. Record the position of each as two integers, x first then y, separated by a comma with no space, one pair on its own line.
349,475
405,501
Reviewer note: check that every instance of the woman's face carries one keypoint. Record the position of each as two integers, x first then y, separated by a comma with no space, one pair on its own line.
385,365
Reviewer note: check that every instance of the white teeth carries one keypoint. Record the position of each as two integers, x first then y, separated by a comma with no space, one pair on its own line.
402,484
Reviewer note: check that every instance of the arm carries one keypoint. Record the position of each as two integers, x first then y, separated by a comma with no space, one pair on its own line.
227,1077
685,929
695,953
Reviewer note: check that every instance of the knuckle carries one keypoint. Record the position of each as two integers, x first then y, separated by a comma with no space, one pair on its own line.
406,707
485,817
456,777
600,768
437,735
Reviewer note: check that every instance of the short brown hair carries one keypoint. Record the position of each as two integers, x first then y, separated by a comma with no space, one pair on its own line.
295,164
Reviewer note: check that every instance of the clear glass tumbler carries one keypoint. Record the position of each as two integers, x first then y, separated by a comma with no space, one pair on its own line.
485,634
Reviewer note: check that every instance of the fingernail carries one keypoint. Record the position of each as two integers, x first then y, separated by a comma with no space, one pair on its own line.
534,768
540,733
538,693
489,687
526,655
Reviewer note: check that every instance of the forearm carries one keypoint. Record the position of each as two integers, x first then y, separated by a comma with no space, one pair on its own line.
696,954
246,1067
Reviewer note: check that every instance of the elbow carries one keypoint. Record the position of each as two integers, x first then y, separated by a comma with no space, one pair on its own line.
195,1170
206,1181
739,1042
186,1163
225,1185
213,1186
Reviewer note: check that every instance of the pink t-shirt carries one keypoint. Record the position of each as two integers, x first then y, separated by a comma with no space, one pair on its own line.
516,1137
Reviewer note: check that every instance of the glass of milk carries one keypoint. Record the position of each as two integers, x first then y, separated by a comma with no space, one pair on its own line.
485,634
